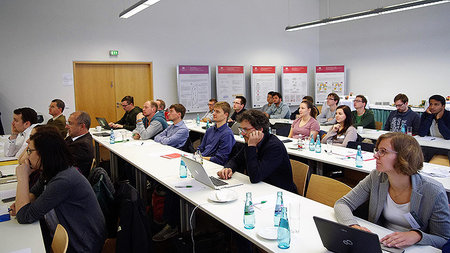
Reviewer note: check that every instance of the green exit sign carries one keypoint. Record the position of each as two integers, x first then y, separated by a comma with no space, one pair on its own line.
113,52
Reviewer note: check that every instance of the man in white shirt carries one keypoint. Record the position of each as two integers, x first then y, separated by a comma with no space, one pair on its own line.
24,120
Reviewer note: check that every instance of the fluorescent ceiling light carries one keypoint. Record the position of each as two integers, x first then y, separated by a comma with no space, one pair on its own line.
366,14
137,7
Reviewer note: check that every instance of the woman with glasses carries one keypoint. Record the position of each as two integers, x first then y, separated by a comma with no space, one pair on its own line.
400,198
342,132
306,124
61,196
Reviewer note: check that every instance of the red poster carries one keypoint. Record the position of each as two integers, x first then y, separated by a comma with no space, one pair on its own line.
264,70
230,69
329,69
295,69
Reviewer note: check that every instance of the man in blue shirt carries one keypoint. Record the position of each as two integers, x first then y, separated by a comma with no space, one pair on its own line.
278,110
219,139
176,134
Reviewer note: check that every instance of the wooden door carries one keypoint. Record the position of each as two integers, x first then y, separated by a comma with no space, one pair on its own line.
99,87
94,91
132,80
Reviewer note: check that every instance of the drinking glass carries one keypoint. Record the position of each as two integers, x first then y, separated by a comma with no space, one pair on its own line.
294,216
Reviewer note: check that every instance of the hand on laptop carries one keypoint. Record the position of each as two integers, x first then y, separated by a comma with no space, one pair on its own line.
360,228
401,239
225,173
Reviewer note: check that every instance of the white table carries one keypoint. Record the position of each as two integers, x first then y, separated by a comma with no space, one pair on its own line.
147,158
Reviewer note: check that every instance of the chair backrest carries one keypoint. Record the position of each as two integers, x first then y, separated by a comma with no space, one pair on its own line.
326,190
440,159
378,125
300,174
60,240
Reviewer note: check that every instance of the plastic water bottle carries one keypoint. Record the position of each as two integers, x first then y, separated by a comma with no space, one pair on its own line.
359,158
183,169
311,144
112,138
284,233
318,145
207,124
198,120
403,129
278,206
270,130
299,143
249,212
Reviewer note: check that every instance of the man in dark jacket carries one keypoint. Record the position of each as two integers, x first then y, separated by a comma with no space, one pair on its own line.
403,116
264,157
128,121
79,141
435,120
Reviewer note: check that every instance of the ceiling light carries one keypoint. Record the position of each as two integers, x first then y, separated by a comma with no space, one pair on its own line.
137,7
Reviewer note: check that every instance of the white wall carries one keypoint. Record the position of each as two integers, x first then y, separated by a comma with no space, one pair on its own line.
41,38
406,52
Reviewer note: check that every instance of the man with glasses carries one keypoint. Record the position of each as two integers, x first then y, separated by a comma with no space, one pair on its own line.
128,120
327,117
278,110
264,157
209,114
361,116
58,120
79,141
219,140
238,107
402,117
24,120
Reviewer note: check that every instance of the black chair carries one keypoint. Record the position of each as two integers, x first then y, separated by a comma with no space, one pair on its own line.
364,146
283,129
40,118
188,146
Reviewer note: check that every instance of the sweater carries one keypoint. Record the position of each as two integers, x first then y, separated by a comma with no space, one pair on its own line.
397,119
367,120
443,124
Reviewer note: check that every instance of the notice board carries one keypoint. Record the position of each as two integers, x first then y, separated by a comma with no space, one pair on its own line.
194,87
329,79
263,80
230,82
294,84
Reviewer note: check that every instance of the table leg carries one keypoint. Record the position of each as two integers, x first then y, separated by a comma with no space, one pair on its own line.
97,153
141,185
113,166
185,215
319,169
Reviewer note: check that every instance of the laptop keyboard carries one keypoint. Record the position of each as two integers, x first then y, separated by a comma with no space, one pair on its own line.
217,182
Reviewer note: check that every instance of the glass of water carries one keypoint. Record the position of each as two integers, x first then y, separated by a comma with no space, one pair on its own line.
329,146
294,216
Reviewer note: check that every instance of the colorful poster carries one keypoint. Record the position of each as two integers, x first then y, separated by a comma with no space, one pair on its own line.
264,79
329,79
294,84
230,82
194,87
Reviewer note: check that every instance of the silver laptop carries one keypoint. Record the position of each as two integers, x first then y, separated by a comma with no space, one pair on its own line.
200,174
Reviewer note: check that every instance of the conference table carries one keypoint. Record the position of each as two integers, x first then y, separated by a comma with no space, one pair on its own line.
149,159
15,237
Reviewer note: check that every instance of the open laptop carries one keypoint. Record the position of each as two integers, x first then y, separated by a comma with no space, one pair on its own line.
103,123
344,239
200,174
235,128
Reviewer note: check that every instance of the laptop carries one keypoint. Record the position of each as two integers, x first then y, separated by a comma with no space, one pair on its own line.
344,239
103,123
200,174
235,128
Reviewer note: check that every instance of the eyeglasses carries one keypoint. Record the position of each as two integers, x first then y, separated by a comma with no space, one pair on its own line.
244,131
125,105
398,106
359,101
29,151
382,152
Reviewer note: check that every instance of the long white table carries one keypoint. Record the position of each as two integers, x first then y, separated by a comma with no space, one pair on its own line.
146,156
338,158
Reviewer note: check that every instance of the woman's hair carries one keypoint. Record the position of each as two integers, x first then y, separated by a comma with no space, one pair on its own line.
309,105
348,118
53,152
409,153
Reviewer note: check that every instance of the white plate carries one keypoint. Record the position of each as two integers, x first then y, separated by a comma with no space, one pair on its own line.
269,233
223,196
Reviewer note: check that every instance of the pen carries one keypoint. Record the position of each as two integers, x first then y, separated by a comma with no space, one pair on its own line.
183,186
232,186
262,202
142,143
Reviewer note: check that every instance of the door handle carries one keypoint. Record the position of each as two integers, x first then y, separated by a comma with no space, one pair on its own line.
112,84
118,104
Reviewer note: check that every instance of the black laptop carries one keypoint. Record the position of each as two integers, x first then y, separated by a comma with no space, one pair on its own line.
344,239
103,123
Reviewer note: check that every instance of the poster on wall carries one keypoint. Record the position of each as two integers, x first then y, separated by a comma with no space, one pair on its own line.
329,79
294,84
194,87
263,80
230,82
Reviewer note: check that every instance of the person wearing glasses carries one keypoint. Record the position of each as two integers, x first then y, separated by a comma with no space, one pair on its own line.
327,117
79,141
264,157
361,116
401,199
61,196
209,114
238,107
128,120
402,117
342,132
58,119
306,124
